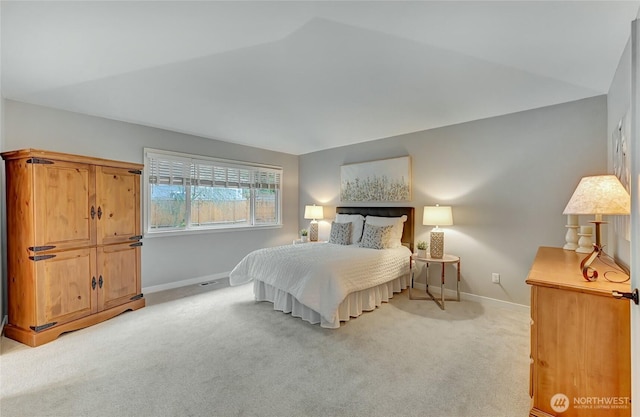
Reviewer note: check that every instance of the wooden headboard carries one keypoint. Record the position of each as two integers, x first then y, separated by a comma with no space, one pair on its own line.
407,232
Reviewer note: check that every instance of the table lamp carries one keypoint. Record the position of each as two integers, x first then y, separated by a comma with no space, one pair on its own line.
437,216
598,195
314,213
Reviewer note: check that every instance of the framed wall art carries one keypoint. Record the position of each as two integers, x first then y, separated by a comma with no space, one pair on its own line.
622,168
386,180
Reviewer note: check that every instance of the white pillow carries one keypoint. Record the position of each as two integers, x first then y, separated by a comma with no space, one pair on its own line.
357,225
396,232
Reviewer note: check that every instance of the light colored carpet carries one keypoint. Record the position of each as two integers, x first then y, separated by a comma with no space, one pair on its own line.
213,351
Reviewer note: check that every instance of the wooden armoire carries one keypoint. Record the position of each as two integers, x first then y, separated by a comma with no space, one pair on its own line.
73,242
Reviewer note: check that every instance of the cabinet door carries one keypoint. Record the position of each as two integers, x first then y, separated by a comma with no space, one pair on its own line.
118,274
582,350
64,287
118,199
64,193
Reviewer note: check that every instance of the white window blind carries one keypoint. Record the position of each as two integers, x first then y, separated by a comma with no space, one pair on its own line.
189,192
175,170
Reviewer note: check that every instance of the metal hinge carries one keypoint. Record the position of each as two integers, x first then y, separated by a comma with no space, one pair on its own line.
41,257
40,248
39,161
137,237
633,295
135,171
137,297
43,327
133,245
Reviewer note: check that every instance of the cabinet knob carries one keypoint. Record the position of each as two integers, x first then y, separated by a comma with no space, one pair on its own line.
100,281
93,283
93,212
633,295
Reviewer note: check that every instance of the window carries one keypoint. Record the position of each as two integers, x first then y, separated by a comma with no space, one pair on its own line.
188,193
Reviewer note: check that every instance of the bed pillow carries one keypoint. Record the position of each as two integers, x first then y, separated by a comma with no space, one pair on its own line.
396,222
357,224
376,237
340,233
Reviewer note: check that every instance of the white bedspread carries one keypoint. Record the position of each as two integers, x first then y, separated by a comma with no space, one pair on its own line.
321,275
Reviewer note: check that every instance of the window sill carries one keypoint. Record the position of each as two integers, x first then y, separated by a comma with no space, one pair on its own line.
168,233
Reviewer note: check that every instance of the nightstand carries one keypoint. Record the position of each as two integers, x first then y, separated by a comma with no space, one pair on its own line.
299,241
446,259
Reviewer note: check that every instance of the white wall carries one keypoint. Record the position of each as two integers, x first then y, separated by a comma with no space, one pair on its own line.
618,107
165,260
508,179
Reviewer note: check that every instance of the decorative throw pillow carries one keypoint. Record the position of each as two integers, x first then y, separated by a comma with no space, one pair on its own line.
340,233
375,237
357,222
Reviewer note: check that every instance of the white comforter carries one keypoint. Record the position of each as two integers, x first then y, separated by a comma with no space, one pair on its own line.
321,275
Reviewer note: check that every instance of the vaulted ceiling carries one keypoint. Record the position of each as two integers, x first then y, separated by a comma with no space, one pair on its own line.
298,77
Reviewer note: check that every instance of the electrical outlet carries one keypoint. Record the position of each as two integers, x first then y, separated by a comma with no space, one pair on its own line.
495,278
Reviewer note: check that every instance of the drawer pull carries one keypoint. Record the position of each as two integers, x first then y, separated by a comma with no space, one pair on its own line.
633,295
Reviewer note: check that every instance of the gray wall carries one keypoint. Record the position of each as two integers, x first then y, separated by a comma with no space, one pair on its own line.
165,260
619,106
508,179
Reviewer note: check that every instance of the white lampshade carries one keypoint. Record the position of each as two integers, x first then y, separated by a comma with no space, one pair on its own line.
313,212
599,195
437,216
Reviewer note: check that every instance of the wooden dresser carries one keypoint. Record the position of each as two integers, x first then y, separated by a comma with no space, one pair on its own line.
73,242
580,339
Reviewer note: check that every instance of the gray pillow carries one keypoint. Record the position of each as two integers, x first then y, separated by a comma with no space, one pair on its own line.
340,233
376,237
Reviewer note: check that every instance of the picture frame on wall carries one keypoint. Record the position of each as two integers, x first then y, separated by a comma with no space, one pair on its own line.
385,180
622,169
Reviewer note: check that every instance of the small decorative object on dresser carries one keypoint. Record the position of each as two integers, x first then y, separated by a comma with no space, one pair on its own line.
585,243
303,235
571,237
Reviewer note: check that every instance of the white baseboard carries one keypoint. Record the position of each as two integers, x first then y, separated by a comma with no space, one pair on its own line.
464,296
183,283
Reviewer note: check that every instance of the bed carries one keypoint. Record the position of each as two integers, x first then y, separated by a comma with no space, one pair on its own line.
328,283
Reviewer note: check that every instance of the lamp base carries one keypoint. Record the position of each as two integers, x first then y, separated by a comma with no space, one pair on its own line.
436,247
313,231
590,274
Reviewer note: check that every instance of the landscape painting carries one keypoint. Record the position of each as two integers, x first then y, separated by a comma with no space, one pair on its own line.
381,181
